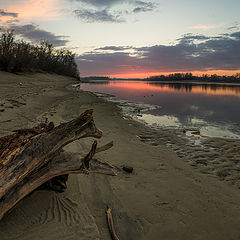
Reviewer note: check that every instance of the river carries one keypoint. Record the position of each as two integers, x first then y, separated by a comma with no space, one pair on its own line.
211,109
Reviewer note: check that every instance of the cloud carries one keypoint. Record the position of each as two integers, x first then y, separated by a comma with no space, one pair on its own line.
33,33
101,3
144,7
12,21
8,14
189,38
113,48
203,27
189,53
29,10
235,27
114,11
236,35
106,63
98,16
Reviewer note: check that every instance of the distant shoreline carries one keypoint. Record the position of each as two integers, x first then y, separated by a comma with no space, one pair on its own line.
176,77
165,81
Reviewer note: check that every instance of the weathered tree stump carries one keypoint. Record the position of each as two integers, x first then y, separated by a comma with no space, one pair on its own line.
32,157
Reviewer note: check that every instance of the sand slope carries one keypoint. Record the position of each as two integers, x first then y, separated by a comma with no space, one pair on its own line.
164,198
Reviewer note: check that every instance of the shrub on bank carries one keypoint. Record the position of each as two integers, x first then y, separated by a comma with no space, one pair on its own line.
20,56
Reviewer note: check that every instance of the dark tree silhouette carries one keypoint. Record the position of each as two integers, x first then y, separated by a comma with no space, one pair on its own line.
19,56
204,78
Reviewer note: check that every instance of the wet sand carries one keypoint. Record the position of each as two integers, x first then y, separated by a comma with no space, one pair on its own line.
176,191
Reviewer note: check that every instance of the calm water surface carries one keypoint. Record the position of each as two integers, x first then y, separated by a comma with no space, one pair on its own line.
212,108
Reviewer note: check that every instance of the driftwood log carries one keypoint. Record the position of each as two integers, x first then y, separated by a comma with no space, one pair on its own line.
32,157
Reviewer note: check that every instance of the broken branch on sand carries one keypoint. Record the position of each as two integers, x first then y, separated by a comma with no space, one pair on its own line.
31,157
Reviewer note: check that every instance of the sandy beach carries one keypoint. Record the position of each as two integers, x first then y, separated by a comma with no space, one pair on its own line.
176,190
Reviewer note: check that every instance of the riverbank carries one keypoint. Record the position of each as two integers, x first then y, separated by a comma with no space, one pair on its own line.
164,197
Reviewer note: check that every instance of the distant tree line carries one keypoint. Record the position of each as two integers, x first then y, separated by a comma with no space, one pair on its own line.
189,77
21,56
95,78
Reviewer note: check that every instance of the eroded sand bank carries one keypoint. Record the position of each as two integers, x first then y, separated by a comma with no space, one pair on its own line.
164,198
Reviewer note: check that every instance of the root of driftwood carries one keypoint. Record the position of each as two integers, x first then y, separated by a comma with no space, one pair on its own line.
111,225
32,157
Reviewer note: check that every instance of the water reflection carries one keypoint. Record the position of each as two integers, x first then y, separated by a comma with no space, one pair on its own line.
215,89
205,106
207,88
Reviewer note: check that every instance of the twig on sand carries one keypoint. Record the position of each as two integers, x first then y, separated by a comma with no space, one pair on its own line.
110,224
6,121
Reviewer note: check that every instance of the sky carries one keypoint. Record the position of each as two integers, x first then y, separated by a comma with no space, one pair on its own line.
134,38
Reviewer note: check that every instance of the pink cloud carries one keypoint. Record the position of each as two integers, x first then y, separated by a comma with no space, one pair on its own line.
203,27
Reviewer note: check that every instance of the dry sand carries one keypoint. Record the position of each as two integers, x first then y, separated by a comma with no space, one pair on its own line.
175,191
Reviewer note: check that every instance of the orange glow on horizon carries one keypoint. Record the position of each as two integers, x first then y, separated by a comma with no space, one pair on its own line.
134,75
196,73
